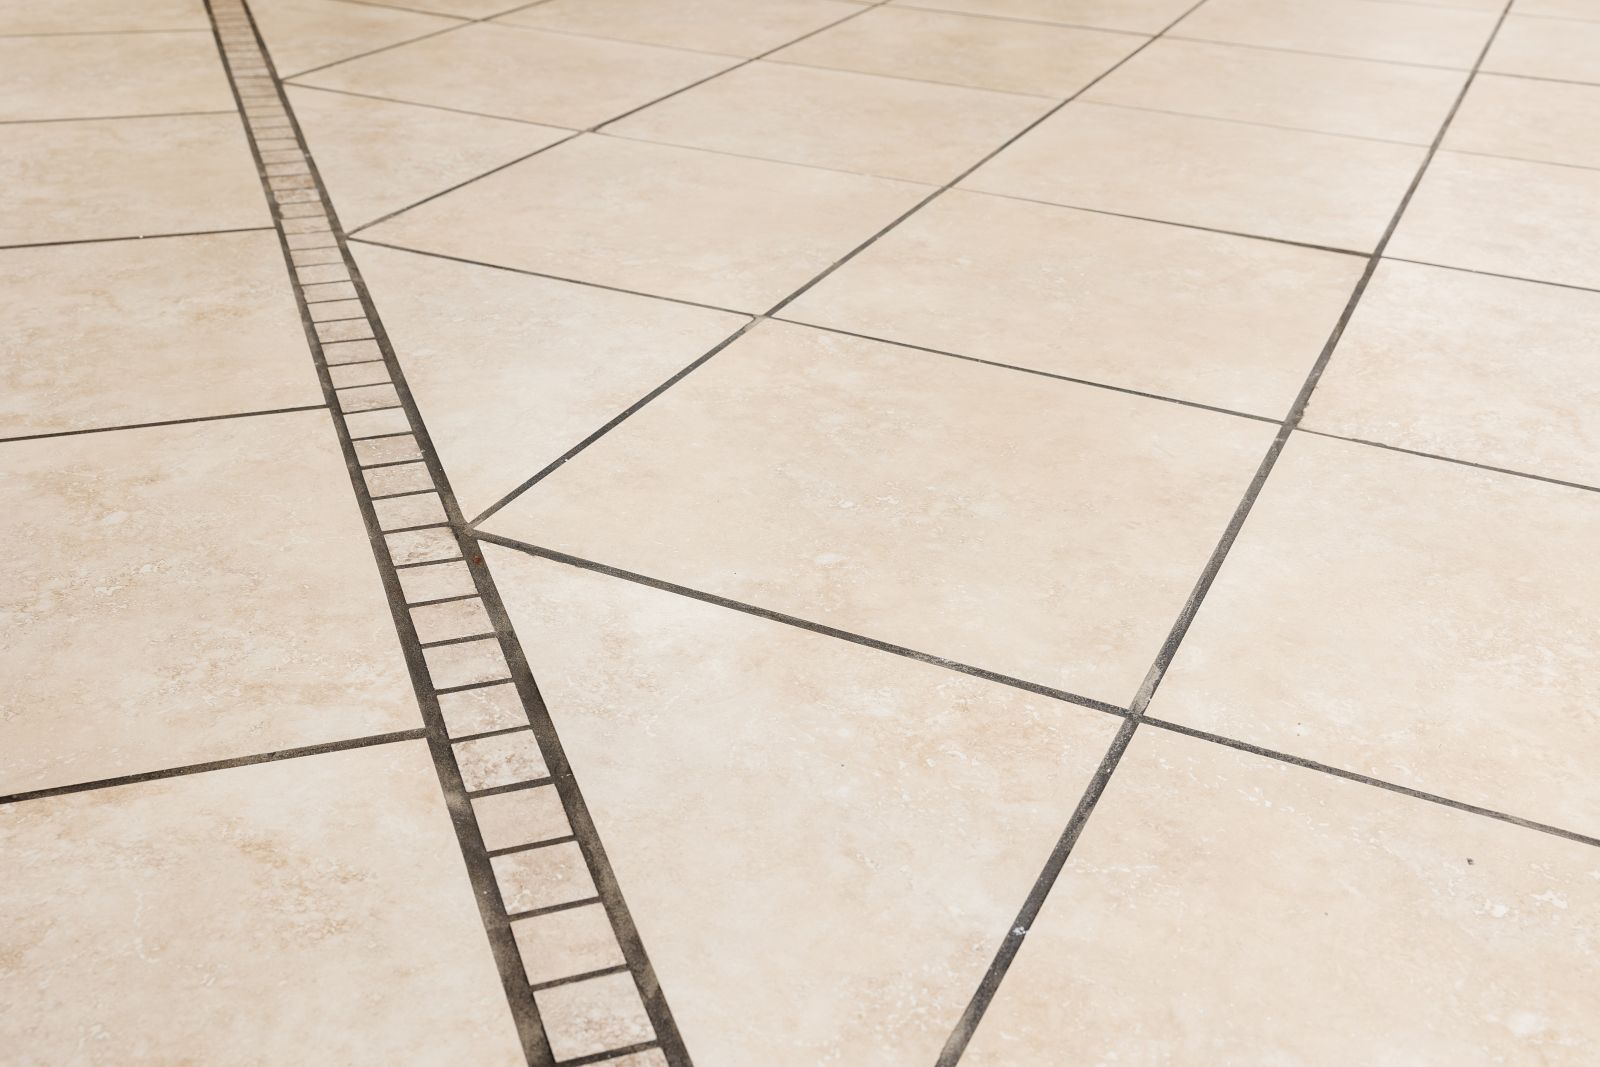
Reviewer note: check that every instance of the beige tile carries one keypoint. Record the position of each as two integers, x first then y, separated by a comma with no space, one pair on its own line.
436,581
521,817
1369,617
1550,122
68,181
466,9
1363,29
731,27
188,593
877,496
1566,49
594,1016
556,78
843,784
863,123
456,618
1163,309
1320,189
1484,369
983,53
82,76
505,759
378,157
1571,9
313,910
568,942
1326,94
465,664
1223,908
514,370
543,877
675,222
304,34
1531,220
120,332
477,711
101,16
1134,16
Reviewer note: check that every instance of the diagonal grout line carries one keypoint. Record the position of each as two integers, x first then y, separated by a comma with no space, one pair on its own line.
292,84
162,422
110,118
972,1016
215,765
1452,459
301,205
1309,52
799,623
135,237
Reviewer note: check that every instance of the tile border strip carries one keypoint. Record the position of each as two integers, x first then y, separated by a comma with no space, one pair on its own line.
568,954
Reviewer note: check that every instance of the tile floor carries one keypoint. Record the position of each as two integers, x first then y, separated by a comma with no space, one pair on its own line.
800,532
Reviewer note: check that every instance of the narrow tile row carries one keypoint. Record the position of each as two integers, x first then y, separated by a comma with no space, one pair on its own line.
586,997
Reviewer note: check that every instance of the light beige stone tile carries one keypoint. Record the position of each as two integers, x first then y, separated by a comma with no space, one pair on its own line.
1163,309
983,53
377,157
181,594
121,332
313,910
1566,49
514,370
1531,220
913,498
90,75
864,123
305,34
466,9
1134,16
505,759
1418,621
1363,29
435,581
101,16
455,618
400,512
543,877
466,663
521,817
477,711
1320,189
594,1016
715,229
731,27
1484,369
73,181
422,546
1570,9
517,73
1224,908
1550,122
388,450
1325,94
568,942
843,784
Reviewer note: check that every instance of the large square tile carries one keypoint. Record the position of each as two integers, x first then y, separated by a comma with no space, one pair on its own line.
1210,318
970,512
1505,216
313,910
303,35
1132,16
1523,118
514,370
377,156
731,27
181,594
1564,49
99,75
842,784
1484,369
1363,29
1316,188
1324,94
74,181
1419,621
674,222
1224,908
864,123
984,53
517,73
119,332
101,16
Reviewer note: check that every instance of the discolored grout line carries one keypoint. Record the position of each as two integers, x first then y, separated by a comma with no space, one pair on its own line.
162,422
1010,945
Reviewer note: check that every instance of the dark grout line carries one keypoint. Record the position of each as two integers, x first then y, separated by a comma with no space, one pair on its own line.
1521,159
972,1016
801,624
110,118
215,765
402,7
1363,779
596,1059
1451,459
1540,77
1253,123
532,846
1324,55
284,78
513,787
561,32
908,78
600,973
1017,18
1494,274
102,33
533,913
163,422
636,139
136,237
416,103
